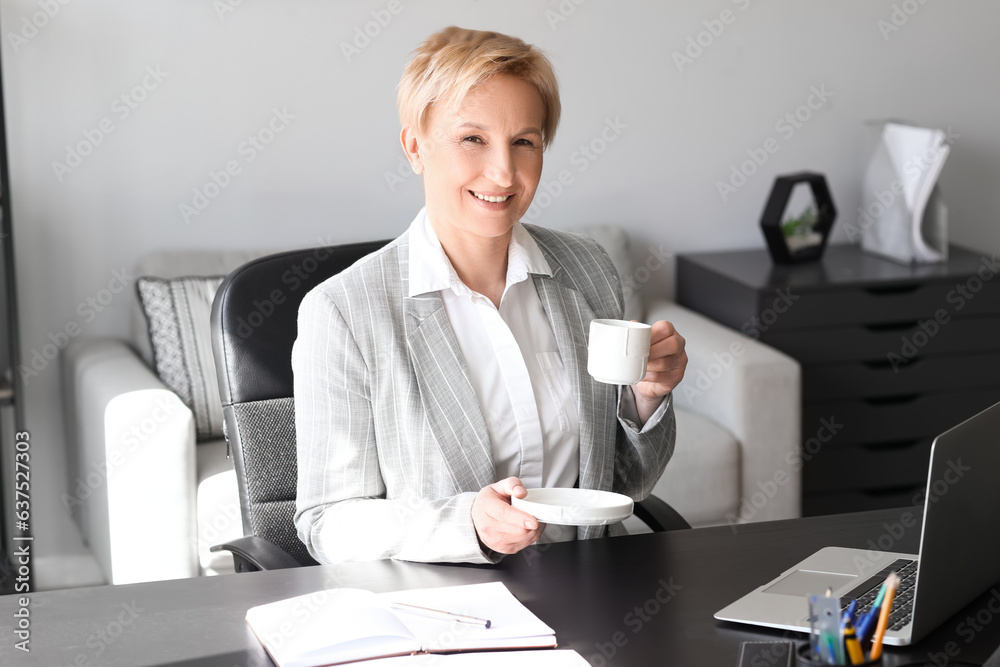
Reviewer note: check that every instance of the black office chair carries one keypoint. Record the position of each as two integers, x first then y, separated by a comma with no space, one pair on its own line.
254,323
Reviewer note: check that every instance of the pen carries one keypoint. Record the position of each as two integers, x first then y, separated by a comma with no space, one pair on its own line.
852,608
891,584
441,615
854,652
866,625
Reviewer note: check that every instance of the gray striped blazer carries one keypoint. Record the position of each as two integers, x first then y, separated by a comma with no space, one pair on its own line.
392,443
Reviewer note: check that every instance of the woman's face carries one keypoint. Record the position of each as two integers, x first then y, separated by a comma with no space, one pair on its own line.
489,147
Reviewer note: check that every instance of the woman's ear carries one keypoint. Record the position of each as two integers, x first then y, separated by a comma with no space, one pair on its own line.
411,146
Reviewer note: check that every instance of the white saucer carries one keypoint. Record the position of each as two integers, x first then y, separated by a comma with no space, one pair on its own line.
575,507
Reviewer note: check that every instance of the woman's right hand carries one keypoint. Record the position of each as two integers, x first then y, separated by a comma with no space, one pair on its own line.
500,526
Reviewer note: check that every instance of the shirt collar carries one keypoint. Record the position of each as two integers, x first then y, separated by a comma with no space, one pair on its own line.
431,270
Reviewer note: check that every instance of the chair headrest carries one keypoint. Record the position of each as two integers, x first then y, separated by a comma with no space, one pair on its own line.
255,315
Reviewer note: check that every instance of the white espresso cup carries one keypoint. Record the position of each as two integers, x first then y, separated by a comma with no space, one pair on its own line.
618,351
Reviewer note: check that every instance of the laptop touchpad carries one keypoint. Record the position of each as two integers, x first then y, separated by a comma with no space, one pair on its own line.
806,582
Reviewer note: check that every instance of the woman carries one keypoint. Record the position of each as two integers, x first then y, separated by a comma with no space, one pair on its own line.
440,376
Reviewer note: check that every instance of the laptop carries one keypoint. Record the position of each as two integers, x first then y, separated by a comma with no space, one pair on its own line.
959,548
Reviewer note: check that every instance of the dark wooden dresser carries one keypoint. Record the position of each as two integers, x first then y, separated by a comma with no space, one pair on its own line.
891,356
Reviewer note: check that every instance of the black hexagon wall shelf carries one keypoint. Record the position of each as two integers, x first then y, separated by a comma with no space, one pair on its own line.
800,237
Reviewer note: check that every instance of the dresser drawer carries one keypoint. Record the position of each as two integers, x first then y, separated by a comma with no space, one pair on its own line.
848,468
887,420
884,378
877,342
873,304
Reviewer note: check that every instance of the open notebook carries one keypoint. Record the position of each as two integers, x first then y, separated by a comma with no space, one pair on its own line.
340,625
553,658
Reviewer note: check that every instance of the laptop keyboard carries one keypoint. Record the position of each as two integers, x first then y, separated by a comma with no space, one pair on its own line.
902,604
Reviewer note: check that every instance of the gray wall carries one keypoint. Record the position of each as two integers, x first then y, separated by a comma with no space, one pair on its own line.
323,178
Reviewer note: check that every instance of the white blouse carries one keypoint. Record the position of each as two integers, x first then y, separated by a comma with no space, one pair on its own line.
513,360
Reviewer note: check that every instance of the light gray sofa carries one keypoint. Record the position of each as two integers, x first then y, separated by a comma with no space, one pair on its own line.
166,498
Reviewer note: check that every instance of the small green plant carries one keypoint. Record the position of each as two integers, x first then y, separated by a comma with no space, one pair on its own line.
801,225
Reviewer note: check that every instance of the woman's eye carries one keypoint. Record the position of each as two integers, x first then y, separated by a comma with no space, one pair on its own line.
473,139
524,142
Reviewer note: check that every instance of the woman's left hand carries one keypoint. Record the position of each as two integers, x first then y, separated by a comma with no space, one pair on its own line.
664,370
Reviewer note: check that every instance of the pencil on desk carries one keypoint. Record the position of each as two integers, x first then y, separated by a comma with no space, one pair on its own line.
891,584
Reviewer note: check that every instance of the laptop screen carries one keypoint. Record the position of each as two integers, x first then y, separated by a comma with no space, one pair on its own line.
960,541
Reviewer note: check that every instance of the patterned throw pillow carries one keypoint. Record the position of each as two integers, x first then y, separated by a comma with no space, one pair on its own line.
178,311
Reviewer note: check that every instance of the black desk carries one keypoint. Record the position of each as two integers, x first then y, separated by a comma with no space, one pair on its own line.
587,591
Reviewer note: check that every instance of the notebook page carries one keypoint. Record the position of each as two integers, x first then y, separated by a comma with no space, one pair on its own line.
512,624
328,627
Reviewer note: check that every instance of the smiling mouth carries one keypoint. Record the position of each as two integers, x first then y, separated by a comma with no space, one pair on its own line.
490,198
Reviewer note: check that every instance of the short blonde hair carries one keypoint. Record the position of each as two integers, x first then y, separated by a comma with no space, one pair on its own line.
450,63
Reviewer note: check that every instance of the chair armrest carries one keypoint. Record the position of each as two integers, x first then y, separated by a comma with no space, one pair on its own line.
252,553
132,464
754,392
658,515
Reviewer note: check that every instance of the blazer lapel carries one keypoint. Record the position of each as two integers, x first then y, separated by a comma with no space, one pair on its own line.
448,398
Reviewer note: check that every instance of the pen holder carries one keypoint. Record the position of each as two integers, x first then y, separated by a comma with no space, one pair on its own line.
806,660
